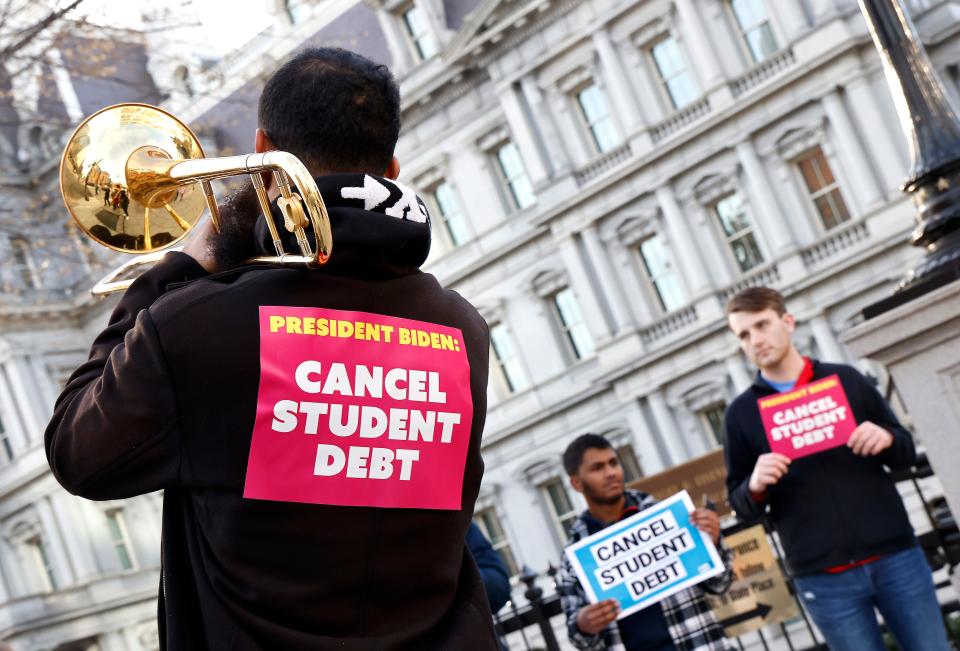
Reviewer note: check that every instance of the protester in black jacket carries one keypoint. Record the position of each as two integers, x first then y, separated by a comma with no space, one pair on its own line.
172,398
842,523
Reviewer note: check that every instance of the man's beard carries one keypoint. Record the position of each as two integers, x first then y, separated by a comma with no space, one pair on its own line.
235,244
596,498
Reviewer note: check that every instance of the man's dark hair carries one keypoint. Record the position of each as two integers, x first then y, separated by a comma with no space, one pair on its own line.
333,109
757,299
573,455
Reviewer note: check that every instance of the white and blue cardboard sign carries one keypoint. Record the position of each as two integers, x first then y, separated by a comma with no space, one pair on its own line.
643,559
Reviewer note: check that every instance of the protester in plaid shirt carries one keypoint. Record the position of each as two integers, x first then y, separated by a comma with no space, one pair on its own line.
682,621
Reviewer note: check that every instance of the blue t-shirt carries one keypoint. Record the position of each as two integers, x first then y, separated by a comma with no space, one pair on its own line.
779,386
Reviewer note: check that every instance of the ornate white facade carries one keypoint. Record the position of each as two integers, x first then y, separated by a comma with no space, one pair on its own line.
603,174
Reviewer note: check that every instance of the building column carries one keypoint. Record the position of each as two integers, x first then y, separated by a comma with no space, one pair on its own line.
624,262
47,396
710,236
549,134
701,44
11,561
621,93
673,439
769,215
5,594
10,413
584,288
798,206
26,396
682,242
822,9
827,341
860,173
651,452
893,165
69,519
738,373
524,136
56,545
610,283
792,17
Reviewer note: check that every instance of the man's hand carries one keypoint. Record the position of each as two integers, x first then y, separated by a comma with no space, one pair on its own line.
197,244
708,522
594,618
770,468
869,440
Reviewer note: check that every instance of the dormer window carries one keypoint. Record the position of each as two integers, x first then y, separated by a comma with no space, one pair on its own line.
419,31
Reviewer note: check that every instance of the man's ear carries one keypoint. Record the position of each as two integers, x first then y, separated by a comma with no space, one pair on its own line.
791,321
262,142
576,483
393,169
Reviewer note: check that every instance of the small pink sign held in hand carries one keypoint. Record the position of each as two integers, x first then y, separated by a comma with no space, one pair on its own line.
808,419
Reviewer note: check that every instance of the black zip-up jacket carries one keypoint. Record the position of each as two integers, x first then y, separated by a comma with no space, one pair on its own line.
831,508
167,401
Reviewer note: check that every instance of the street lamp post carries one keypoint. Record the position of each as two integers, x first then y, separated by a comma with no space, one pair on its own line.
930,125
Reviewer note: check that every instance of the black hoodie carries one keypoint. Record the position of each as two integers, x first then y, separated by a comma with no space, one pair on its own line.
167,401
831,508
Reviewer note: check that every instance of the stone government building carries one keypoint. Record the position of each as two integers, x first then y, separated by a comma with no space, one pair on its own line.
602,175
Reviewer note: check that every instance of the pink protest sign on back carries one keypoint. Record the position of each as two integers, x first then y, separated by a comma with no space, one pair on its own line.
359,409
808,419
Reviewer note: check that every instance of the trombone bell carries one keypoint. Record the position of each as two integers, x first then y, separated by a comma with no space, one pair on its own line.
135,180
123,208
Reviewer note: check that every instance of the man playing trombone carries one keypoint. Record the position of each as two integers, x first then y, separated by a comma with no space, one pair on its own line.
316,432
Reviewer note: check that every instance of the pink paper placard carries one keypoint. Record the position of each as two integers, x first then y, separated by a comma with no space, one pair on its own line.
359,409
808,419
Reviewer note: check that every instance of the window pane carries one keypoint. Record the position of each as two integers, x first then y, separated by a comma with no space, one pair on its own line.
595,112
673,72
417,26
714,419
746,251
573,324
591,101
522,191
665,283
655,256
682,90
667,56
492,528
119,536
559,498
733,217
450,213
515,174
629,463
823,189
506,358
762,42
510,161
749,12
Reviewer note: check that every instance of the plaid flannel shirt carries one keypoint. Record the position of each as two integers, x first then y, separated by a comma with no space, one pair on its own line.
690,620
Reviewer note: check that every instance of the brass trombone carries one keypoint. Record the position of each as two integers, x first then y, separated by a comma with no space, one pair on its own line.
134,178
